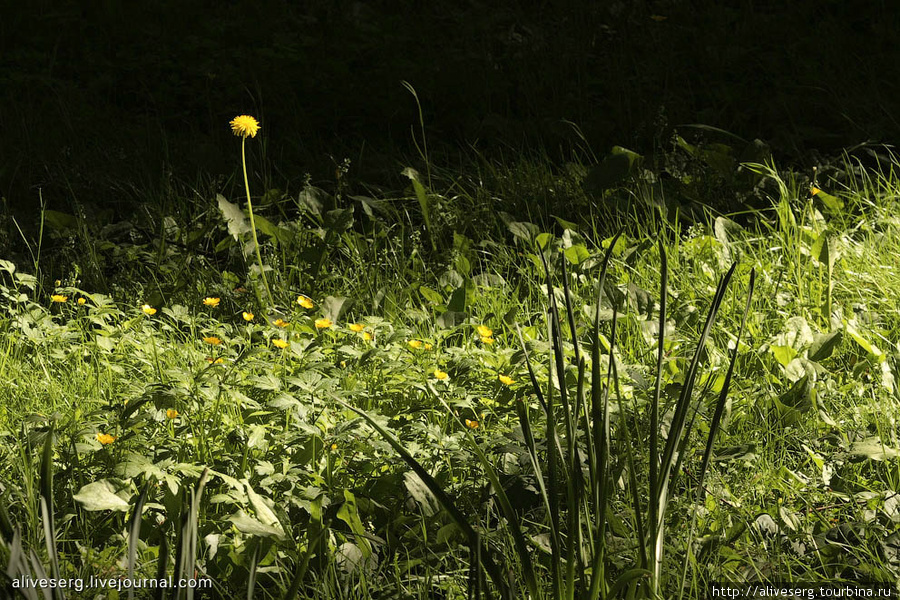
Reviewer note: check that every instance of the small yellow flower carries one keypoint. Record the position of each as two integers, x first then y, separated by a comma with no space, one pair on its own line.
333,447
211,301
487,340
280,343
58,298
428,346
215,361
415,344
281,323
58,283
485,331
440,375
506,380
814,190
245,126
305,302
323,323
105,438
148,310
356,327
81,301
248,316
171,413
212,340
367,336
472,424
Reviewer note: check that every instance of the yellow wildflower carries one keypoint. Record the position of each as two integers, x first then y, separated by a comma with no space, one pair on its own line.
356,327
244,126
217,361
485,331
248,316
148,310
305,302
323,323
58,298
105,438
333,447
472,424
367,336
487,340
280,343
211,301
428,346
440,375
212,340
506,380
415,344
81,301
281,323
171,413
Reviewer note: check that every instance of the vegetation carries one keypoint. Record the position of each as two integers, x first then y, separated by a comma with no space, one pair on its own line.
505,381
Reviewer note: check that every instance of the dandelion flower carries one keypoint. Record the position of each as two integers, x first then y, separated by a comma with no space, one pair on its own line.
323,323
211,301
472,424
171,413
280,343
281,323
415,344
248,316
105,438
487,340
506,380
212,340
305,302
367,336
485,331
81,301
148,310
245,126
440,375
356,327
58,298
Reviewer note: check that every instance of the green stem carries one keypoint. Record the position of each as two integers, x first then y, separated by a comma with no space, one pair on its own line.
262,271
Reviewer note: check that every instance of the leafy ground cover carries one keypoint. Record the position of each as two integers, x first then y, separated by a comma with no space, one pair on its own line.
475,387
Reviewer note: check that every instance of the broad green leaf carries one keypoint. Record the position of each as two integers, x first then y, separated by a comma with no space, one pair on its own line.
577,254
247,524
234,217
100,495
421,494
863,342
824,344
349,514
524,230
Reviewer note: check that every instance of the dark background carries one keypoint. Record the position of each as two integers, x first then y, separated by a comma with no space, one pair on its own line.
103,104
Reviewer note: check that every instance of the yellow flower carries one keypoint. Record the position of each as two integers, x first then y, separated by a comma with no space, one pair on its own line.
487,340
333,447
58,298
211,301
245,126
171,413
305,302
248,316
440,375
323,323
217,361
356,327
367,336
814,190
506,380
471,424
105,438
148,310
428,346
415,344
212,340
81,301
281,323
280,343
485,331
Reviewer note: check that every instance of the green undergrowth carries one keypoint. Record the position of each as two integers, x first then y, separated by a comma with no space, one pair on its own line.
157,405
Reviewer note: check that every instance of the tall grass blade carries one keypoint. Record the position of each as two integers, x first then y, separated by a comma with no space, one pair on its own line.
458,517
162,565
134,533
47,509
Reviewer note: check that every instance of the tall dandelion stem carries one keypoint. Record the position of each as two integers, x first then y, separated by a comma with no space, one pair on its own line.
246,126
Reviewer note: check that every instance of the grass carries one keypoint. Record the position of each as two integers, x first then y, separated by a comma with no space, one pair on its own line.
515,402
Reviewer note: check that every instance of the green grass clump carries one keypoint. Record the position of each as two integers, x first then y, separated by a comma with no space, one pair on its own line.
526,405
